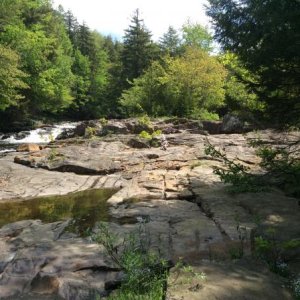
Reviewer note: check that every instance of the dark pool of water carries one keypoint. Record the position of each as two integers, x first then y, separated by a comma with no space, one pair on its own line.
84,208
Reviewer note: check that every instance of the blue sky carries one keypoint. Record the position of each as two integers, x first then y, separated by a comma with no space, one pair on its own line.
113,16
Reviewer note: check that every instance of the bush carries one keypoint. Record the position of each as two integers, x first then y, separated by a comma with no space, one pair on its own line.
281,169
145,272
237,175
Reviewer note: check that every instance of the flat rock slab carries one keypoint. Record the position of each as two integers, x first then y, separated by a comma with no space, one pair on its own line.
35,257
226,281
22,182
183,207
175,228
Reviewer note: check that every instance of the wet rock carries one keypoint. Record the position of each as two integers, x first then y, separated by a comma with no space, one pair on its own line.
232,124
21,135
66,134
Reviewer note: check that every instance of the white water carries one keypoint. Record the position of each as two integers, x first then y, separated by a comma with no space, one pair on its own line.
7,150
36,136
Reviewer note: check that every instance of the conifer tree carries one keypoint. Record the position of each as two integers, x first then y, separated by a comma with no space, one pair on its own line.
138,50
170,42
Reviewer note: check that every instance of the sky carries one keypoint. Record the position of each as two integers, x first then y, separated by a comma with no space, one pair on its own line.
113,16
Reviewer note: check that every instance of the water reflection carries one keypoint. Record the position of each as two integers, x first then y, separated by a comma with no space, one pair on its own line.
85,208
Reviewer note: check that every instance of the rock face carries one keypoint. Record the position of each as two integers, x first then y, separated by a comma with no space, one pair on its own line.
184,208
39,261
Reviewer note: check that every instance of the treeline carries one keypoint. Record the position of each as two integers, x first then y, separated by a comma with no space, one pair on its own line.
53,67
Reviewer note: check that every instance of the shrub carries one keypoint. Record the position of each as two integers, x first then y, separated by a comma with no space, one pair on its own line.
236,174
281,166
145,272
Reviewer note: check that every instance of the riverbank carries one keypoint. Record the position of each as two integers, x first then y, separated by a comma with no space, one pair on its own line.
190,214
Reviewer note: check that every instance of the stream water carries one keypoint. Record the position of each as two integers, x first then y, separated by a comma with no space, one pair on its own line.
9,142
85,208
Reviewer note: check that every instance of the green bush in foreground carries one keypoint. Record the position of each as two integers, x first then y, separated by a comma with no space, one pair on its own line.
281,168
145,272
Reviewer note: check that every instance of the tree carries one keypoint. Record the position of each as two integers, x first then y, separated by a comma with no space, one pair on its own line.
139,50
240,97
195,35
265,35
11,78
147,93
191,85
39,37
72,27
170,42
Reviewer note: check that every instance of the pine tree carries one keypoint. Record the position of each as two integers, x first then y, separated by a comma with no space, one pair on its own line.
72,27
138,50
170,42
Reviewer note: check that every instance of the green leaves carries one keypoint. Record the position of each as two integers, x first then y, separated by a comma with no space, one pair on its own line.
191,85
11,78
247,29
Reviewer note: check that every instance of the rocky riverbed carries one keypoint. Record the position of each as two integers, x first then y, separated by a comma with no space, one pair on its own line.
189,213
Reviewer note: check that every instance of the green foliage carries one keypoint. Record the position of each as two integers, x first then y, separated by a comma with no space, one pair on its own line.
144,121
149,136
281,166
195,35
236,174
11,78
271,250
103,121
184,86
170,43
246,28
139,50
54,155
145,271
145,135
39,37
240,97
90,132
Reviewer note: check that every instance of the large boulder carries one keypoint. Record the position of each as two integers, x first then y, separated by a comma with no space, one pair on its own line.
116,127
28,148
87,128
212,127
136,127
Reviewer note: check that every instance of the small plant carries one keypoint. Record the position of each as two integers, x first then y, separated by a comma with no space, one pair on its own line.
238,251
151,137
271,250
281,169
145,272
189,273
54,154
145,121
90,132
145,135
236,174
103,121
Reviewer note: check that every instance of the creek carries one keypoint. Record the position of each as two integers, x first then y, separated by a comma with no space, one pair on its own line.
44,135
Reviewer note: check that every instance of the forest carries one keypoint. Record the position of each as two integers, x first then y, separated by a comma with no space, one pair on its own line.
54,68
